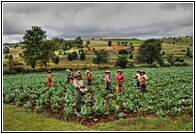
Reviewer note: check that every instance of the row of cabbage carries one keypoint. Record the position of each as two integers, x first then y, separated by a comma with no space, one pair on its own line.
170,92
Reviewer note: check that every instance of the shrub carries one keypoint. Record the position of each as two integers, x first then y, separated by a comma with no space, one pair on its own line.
19,69
167,65
131,56
185,64
152,65
17,63
130,65
177,64
123,51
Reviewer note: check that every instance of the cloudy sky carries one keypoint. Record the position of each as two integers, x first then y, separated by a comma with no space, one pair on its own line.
98,20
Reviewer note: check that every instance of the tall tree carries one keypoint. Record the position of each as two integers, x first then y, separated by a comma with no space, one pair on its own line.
82,56
149,51
75,55
10,61
47,51
109,43
33,39
78,42
102,56
171,59
6,50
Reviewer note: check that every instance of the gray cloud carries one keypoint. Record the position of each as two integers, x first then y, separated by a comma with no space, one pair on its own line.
98,20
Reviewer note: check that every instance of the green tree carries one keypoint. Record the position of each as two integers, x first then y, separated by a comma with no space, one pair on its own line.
87,43
123,51
122,61
109,43
131,56
10,60
48,47
33,39
149,51
131,49
70,57
80,51
171,59
66,45
101,56
59,42
75,55
20,55
82,56
6,50
56,59
78,42
189,53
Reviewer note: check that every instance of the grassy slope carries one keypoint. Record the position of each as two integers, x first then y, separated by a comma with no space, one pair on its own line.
167,45
17,119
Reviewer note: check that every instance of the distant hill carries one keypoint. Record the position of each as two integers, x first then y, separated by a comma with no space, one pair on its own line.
134,39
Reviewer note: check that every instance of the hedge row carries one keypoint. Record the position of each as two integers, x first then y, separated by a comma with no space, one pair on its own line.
17,70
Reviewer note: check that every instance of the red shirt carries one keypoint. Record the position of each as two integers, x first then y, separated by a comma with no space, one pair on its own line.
88,75
120,77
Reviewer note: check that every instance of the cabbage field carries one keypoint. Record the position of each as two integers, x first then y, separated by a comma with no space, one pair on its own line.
170,94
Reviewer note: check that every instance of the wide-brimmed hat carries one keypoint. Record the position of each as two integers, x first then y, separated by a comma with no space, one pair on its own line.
49,71
142,71
107,71
119,70
76,74
78,71
68,70
87,71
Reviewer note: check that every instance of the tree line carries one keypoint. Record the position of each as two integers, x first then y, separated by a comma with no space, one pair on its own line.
40,50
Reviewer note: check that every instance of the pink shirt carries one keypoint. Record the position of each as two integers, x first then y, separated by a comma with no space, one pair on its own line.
120,77
107,77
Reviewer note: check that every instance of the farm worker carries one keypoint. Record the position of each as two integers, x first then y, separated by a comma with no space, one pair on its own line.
108,80
89,77
78,84
49,76
79,73
67,75
137,77
120,81
142,79
71,77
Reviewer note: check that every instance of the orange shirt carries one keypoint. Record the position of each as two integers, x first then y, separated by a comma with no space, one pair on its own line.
89,76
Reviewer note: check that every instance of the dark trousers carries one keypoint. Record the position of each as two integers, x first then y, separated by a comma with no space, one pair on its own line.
143,88
89,82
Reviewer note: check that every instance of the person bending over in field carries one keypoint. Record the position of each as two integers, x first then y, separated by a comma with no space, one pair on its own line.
49,76
79,92
120,81
108,80
137,77
142,79
89,77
